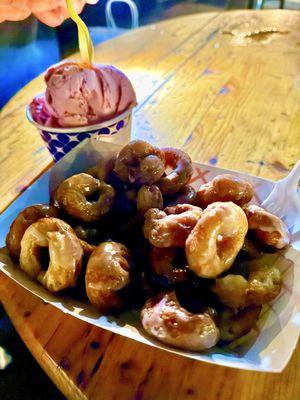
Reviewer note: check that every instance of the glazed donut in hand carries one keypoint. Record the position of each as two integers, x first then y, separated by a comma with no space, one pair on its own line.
261,286
140,162
235,323
164,319
217,238
171,227
224,188
51,241
181,173
149,197
76,196
106,274
268,228
22,222
167,263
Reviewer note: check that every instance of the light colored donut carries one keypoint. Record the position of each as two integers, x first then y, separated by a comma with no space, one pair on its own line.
63,249
217,238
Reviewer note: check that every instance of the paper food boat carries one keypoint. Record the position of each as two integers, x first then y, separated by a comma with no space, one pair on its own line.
278,325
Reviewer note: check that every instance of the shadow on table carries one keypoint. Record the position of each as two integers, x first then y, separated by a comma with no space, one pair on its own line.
23,378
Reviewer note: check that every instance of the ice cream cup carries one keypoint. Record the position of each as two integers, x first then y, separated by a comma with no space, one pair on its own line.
60,141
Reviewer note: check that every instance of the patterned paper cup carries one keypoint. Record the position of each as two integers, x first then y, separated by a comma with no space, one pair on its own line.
60,141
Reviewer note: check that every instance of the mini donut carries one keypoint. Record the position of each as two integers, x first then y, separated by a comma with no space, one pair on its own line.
217,238
149,197
139,162
165,262
171,227
24,219
235,323
186,195
261,286
164,319
74,194
106,274
268,228
87,247
181,173
224,188
103,169
56,241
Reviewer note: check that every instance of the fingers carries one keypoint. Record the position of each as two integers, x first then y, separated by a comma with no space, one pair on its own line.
50,12
12,11
52,18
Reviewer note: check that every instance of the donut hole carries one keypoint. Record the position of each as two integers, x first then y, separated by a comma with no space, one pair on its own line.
224,245
179,260
43,256
93,197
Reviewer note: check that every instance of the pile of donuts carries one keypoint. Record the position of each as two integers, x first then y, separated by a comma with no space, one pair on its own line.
132,233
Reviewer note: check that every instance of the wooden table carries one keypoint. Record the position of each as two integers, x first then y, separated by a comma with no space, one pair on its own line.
227,100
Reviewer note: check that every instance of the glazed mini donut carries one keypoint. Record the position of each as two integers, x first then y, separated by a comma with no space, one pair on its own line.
181,173
224,188
103,169
140,162
84,232
261,286
234,323
164,319
87,247
74,194
164,263
51,241
171,227
149,197
268,228
217,238
106,274
22,222
186,195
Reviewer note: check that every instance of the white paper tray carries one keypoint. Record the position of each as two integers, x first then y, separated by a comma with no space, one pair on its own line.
279,327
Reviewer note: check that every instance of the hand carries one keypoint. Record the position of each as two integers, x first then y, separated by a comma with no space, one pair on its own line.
50,12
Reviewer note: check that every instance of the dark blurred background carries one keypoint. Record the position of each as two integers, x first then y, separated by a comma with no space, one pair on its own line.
33,47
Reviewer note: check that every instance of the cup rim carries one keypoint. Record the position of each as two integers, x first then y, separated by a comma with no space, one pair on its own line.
79,129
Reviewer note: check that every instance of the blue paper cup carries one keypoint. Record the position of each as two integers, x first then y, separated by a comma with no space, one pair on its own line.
60,141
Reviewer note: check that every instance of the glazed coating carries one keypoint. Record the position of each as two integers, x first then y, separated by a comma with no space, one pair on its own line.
171,227
262,286
224,188
235,323
85,233
102,170
72,195
139,162
24,219
106,274
163,262
63,248
164,319
268,228
217,238
149,197
182,171
186,195
87,247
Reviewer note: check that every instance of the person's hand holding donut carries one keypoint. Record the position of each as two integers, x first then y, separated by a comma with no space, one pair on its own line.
50,12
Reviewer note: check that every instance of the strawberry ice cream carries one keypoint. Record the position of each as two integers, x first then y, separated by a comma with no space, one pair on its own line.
79,95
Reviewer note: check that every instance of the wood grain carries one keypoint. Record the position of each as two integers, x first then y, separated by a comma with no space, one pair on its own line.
232,103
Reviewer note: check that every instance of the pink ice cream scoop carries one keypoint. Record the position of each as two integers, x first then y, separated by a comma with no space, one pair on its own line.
78,95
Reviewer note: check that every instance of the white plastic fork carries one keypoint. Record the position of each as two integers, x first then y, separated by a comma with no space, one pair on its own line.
284,200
